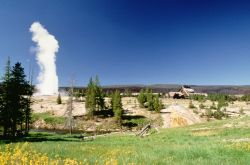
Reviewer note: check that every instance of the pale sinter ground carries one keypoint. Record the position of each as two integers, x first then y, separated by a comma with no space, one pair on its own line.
176,112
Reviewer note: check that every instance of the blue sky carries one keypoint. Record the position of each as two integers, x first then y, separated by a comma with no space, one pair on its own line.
135,42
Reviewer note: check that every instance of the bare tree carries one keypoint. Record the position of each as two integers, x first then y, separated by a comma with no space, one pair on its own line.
68,113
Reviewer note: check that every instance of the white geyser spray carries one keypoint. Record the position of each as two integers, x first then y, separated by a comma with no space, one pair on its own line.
46,49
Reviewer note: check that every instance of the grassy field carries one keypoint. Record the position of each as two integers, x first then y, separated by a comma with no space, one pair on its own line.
48,118
217,142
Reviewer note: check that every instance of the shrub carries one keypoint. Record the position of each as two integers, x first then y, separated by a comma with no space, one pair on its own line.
142,98
245,97
213,106
191,105
201,106
241,111
209,113
221,103
195,111
200,98
218,114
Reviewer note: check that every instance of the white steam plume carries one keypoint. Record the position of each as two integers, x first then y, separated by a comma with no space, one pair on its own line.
47,47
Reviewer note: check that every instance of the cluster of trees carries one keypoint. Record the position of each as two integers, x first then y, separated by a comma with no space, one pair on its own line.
214,97
218,97
94,97
15,94
245,97
215,110
150,101
222,99
216,113
198,97
95,100
228,98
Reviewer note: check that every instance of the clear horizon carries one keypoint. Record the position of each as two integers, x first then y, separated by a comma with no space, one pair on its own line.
133,41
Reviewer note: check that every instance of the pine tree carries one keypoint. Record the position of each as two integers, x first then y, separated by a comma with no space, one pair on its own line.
5,102
15,108
59,99
99,95
150,99
157,104
20,90
90,99
117,106
1,102
94,97
142,98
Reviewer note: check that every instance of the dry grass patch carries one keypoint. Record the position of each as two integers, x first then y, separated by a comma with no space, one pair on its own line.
240,145
204,133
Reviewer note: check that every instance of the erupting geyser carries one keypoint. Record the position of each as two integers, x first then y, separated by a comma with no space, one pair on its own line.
46,49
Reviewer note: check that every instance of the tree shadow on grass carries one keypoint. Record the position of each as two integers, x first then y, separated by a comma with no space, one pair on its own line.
131,121
104,113
130,117
42,137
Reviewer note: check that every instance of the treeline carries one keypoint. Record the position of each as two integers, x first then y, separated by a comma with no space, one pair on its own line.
218,97
150,101
15,94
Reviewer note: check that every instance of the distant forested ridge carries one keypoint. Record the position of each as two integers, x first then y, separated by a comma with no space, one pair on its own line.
165,88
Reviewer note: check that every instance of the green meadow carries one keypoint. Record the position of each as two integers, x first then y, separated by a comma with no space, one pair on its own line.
216,142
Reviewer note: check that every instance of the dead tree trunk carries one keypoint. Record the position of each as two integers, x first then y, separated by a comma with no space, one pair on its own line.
144,130
68,113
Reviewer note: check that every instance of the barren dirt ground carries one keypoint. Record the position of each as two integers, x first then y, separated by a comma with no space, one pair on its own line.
48,104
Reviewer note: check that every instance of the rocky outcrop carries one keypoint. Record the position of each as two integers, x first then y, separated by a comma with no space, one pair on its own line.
176,116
